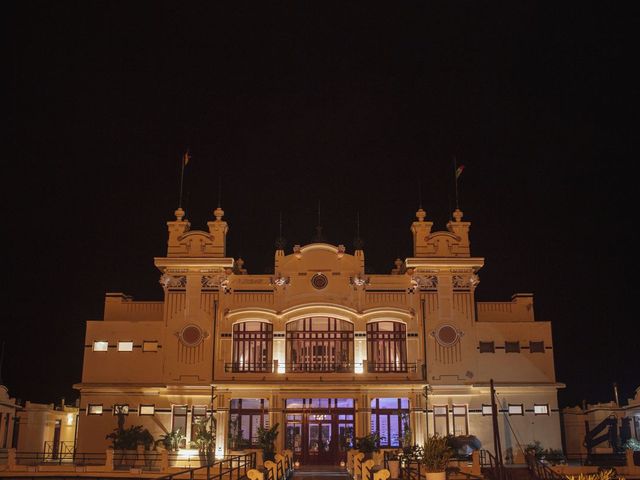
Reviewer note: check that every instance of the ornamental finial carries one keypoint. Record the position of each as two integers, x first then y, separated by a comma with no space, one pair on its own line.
218,213
457,215
421,214
179,213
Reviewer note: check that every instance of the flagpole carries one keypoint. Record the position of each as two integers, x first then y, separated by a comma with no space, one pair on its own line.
184,161
181,182
455,179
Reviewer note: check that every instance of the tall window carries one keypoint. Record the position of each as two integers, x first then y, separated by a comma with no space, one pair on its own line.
320,344
252,347
460,420
390,418
245,416
179,419
386,347
198,415
441,420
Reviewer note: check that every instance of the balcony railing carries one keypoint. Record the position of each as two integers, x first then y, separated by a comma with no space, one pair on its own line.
241,367
395,367
319,367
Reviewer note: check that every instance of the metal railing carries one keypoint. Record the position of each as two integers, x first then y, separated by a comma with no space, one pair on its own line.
393,367
319,367
78,459
244,367
494,470
540,471
234,467
60,452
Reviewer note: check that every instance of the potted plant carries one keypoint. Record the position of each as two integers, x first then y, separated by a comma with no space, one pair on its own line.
171,441
368,444
205,439
435,457
125,443
267,442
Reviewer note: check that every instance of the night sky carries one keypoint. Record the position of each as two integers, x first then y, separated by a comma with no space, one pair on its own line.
353,105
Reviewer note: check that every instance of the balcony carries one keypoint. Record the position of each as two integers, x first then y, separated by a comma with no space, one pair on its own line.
319,367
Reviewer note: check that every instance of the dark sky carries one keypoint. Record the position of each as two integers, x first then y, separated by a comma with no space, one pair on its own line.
350,104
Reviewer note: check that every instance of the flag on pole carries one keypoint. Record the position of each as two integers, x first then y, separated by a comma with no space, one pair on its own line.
459,171
185,158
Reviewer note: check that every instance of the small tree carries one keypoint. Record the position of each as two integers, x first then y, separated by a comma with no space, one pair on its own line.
205,438
267,441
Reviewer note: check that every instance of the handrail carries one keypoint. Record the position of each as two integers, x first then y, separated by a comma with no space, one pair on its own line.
242,464
496,471
540,471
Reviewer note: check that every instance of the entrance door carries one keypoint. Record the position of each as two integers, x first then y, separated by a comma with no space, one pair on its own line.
320,444
320,430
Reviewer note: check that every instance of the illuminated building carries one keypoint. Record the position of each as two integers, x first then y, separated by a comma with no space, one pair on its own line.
321,348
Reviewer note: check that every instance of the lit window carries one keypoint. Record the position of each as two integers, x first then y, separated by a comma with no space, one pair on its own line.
487,347
541,409
487,410
147,410
439,410
247,415
149,346
390,419
100,346
121,409
125,346
460,420
179,421
94,409
536,347
512,347
198,415
440,420
516,409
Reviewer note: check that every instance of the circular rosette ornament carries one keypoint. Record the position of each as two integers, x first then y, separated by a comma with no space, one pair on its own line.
447,335
191,335
319,281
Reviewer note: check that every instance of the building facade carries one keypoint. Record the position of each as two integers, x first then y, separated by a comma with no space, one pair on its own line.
321,349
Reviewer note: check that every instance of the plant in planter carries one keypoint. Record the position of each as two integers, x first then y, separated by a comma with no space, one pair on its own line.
171,441
435,458
368,444
205,439
125,442
267,442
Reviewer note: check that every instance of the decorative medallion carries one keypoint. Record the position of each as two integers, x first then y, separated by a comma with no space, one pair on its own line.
319,281
191,335
447,335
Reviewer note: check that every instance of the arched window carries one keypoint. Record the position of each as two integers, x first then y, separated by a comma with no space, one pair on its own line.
386,347
252,347
320,344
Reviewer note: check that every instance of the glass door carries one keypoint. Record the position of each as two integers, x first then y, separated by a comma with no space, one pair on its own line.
319,445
